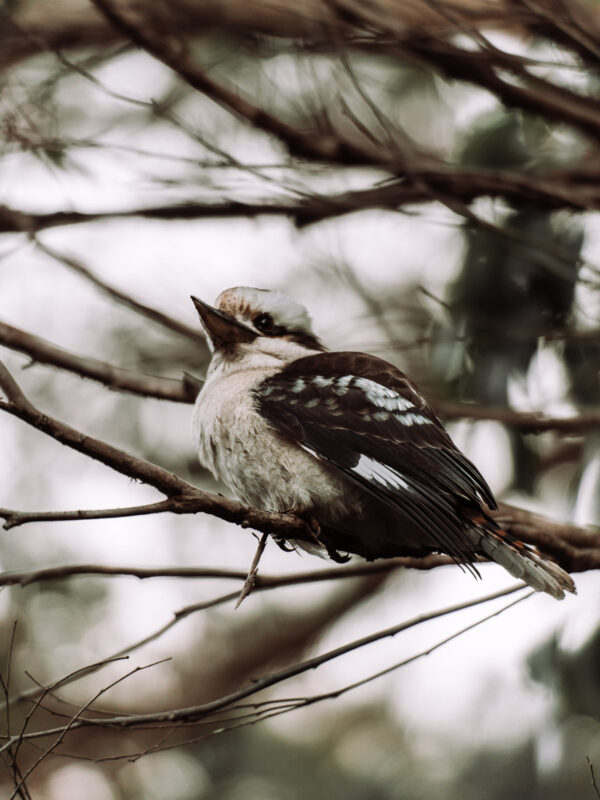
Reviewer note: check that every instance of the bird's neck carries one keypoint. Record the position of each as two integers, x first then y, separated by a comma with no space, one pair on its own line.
264,354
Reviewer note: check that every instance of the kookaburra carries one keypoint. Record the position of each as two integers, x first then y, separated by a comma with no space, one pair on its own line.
344,440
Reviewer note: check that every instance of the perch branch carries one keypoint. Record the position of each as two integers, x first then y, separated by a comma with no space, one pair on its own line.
574,554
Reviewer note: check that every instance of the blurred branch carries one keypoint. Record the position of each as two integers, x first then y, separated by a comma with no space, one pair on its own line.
38,27
261,646
575,27
541,96
593,777
485,65
147,31
16,221
24,578
78,716
579,548
205,710
117,378
123,298
258,710
524,421
275,707
427,182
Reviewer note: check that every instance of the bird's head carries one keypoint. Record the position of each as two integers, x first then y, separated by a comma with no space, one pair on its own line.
250,323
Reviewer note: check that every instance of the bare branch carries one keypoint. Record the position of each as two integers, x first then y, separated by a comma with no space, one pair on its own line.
196,713
13,220
117,378
78,716
186,390
25,577
38,28
292,639
428,180
526,422
146,31
293,704
267,708
183,497
15,518
123,298
12,390
482,67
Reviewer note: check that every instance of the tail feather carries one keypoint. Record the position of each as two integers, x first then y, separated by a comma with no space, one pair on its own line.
521,560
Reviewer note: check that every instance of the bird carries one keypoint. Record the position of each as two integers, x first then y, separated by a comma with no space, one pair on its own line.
345,441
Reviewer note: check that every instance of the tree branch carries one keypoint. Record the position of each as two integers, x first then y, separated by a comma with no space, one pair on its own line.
147,32
427,181
25,577
15,518
525,422
125,380
124,299
199,712
483,67
14,220
183,498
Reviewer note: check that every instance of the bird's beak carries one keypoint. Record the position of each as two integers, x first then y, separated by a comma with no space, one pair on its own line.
222,329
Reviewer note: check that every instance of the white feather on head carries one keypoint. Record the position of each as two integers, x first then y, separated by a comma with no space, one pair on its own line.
245,302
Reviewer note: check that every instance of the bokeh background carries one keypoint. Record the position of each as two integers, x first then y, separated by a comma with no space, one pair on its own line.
488,297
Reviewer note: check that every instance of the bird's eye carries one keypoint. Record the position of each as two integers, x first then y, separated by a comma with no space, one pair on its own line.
264,323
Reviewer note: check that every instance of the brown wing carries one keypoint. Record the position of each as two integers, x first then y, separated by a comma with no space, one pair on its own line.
365,417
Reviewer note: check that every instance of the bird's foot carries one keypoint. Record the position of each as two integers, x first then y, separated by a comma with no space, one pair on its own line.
332,552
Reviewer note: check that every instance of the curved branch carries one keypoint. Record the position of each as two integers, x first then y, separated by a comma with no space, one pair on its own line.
123,298
25,577
196,713
147,31
117,378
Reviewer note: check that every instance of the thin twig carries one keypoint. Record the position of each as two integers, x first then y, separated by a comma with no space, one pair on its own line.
145,33
123,298
26,577
250,581
593,777
196,713
77,715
